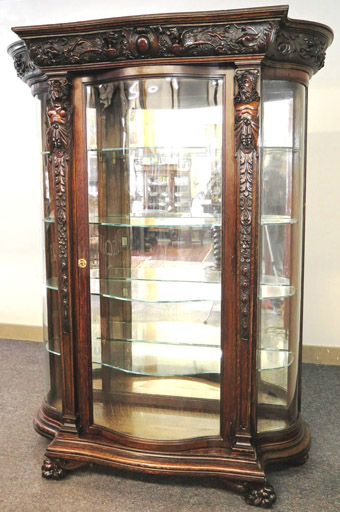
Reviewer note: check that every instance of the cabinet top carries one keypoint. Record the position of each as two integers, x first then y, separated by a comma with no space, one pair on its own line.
264,33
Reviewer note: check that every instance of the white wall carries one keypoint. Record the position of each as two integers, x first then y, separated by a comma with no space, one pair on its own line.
20,246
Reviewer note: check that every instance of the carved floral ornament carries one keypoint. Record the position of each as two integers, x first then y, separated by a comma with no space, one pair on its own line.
246,136
58,139
129,43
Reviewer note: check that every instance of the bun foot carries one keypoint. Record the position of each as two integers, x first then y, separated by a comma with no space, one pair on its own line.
53,469
259,495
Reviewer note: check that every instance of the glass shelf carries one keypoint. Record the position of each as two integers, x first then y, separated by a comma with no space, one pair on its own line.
186,273
54,342
276,219
134,290
48,220
164,361
147,221
273,359
52,351
280,148
52,283
268,359
275,291
153,150
162,333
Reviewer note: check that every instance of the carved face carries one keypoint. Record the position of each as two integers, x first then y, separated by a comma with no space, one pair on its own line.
246,83
58,89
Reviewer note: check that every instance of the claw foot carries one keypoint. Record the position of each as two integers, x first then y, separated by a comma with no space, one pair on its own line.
259,495
53,469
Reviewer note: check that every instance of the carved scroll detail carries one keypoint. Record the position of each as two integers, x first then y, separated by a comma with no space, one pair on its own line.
246,135
160,41
25,68
58,138
302,48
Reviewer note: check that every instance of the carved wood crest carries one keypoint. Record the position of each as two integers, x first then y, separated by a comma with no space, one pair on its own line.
145,42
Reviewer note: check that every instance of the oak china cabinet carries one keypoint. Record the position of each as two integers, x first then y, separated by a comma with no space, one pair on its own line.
173,163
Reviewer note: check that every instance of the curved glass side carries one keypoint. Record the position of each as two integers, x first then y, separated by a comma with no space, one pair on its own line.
51,333
280,251
154,147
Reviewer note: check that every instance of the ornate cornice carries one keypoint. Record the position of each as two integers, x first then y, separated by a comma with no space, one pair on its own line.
258,33
299,48
151,42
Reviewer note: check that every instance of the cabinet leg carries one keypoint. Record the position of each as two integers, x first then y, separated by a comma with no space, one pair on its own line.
52,468
259,495
57,469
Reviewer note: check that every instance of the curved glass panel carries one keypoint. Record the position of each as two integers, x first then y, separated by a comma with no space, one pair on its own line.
281,223
51,333
154,149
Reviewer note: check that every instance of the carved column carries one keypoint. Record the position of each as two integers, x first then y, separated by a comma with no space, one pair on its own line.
59,138
246,101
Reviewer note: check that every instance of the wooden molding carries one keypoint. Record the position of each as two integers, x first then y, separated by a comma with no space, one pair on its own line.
21,332
318,354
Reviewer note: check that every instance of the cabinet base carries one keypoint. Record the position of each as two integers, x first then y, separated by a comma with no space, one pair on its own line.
241,472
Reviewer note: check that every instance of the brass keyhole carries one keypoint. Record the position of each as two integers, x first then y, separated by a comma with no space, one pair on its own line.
82,263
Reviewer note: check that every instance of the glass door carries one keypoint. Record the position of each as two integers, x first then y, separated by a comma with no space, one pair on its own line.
154,166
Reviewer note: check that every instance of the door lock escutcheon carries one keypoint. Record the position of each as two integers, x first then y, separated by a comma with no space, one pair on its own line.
82,263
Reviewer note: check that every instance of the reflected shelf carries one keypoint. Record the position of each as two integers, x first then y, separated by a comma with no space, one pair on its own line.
156,291
275,291
148,221
162,362
162,333
273,359
276,219
280,148
187,272
48,220
154,150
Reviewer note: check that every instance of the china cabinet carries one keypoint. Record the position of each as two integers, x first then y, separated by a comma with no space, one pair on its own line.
173,163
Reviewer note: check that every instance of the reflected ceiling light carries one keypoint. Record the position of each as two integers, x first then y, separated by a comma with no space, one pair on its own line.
152,89
133,91
175,83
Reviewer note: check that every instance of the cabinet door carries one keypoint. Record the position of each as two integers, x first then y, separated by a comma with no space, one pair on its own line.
155,182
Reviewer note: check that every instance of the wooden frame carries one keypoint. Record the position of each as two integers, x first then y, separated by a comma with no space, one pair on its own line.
242,47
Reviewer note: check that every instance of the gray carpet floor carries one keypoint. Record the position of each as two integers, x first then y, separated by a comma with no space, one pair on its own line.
312,487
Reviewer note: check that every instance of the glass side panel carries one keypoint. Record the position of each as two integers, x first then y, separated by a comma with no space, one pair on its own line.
281,221
154,150
51,332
